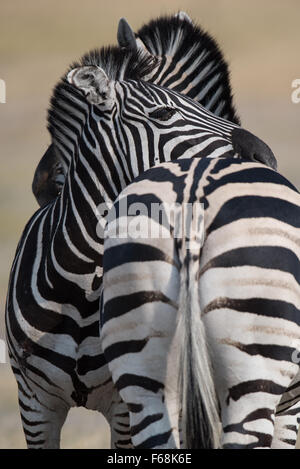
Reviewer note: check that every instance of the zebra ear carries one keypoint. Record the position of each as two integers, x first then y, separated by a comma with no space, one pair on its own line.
93,81
128,40
125,35
182,15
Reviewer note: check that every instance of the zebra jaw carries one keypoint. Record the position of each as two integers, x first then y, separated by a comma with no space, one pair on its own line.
94,83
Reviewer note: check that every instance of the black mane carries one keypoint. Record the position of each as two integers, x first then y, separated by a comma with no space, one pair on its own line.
162,34
119,64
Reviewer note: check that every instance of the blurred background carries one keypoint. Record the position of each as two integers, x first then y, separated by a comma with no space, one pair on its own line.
40,38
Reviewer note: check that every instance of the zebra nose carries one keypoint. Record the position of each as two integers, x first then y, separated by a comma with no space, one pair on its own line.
252,148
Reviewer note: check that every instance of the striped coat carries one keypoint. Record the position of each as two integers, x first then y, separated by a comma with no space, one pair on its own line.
217,309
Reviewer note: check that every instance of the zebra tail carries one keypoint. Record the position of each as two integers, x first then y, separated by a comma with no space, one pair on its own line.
200,410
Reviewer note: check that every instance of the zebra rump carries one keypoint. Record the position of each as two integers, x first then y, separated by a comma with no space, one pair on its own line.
237,317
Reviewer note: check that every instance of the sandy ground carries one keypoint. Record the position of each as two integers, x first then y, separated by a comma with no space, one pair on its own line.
40,39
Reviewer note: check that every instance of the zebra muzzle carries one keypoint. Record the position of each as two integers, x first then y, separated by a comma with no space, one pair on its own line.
252,148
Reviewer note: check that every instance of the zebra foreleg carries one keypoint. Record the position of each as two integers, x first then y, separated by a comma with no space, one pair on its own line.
42,424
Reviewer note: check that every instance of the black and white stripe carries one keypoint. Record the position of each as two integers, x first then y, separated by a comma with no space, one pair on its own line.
241,283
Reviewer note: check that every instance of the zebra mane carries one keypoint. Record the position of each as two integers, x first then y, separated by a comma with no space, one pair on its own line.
204,76
119,64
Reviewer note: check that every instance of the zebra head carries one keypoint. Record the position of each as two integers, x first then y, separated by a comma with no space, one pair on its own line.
142,123
161,124
188,61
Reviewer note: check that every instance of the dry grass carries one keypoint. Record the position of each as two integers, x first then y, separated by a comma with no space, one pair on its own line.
39,40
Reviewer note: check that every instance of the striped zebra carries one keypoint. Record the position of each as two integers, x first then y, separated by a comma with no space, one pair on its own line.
207,318
113,125
190,62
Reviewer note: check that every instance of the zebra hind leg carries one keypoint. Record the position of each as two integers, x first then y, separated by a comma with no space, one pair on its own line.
286,428
149,395
287,418
119,424
138,330
150,424
251,379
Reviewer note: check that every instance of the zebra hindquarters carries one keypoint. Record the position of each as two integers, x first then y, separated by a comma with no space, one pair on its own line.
249,292
139,319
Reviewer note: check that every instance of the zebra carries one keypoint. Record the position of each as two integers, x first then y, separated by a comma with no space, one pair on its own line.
113,125
97,116
206,323
190,62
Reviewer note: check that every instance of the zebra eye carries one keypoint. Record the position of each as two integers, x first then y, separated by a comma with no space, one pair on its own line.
163,113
